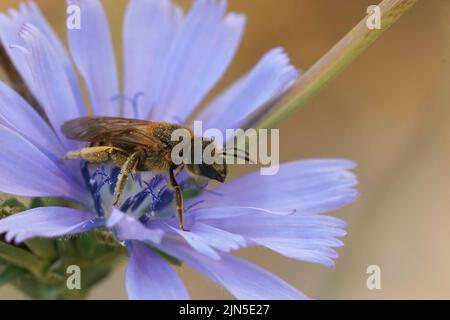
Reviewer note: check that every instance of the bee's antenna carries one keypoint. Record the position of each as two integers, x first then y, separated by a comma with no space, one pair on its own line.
236,150
236,155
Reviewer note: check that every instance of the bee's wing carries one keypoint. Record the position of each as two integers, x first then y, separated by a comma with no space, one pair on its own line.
116,130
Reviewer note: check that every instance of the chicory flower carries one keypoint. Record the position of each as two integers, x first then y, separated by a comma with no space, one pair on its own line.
171,61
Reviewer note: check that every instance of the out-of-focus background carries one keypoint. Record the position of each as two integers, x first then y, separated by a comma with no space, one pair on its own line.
389,111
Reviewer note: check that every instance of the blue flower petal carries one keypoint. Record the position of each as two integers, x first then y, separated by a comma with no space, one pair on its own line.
206,213
202,50
46,44
197,242
50,81
27,170
10,26
93,52
280,211
218,238
243,279
306,237
309,186
47,222
149,29
17,114
149,277
32,14
271,77
128,228
204,237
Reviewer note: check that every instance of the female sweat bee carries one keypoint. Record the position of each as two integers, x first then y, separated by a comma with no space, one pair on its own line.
138,145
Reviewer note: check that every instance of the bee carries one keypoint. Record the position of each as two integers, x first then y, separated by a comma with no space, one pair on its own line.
139,146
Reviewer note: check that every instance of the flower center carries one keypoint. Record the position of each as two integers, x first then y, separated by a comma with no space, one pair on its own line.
146,200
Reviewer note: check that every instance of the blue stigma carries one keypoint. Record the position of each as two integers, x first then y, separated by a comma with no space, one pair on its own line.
96,182
155,190
134,101
134,202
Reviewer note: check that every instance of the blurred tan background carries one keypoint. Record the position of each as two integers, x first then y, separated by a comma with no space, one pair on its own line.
390,112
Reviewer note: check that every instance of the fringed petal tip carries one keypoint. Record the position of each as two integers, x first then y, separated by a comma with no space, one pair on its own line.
308,186
307,237
270,78
51,80
47,222
202,49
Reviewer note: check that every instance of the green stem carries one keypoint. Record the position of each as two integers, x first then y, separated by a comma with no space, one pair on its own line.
330,65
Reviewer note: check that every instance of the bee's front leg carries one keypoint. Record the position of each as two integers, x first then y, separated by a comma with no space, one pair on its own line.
93,154
128,167
178,198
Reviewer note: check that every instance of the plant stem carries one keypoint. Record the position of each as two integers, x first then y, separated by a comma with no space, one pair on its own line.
330,65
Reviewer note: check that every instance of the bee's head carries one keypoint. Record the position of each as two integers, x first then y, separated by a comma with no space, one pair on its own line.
214,168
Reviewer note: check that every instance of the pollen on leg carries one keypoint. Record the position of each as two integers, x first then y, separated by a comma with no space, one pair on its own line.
72,155
91,154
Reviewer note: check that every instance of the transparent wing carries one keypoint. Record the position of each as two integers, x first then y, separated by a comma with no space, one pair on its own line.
116,130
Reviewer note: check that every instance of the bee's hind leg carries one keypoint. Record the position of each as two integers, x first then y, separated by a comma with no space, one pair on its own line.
128,167
92,154
178,198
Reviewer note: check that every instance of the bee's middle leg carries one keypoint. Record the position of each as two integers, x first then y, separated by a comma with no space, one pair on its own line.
178,199
128,167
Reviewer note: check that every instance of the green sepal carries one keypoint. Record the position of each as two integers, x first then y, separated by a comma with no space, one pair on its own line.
21,258
44,248
9,273
10,206
36,203
11,203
